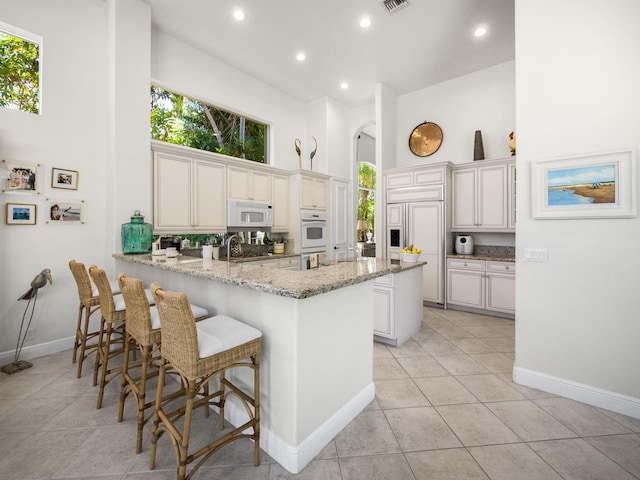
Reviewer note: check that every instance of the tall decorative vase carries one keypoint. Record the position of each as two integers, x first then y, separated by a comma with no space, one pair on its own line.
478,149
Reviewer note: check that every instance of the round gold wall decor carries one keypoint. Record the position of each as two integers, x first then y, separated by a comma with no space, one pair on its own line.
425,139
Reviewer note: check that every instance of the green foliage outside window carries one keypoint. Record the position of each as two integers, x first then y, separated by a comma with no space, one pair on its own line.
19,74
185,121
367,194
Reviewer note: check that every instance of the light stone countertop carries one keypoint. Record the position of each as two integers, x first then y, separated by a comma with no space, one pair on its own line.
287,283
482,257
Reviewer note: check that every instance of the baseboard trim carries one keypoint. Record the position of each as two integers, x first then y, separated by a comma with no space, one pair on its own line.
39,350
588,394
295,458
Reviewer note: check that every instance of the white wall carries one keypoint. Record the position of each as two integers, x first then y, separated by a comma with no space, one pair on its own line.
181,68
577,328
482,100
70,134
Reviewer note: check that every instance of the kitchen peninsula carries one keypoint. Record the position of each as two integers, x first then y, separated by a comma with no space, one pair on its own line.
317,325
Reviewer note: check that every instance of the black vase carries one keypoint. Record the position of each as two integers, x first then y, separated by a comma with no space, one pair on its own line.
478,149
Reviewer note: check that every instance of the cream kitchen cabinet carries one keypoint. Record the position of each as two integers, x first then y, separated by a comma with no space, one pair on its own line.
481,198
314,192
189,194
417,177
281,201
397,306
481,284
248,184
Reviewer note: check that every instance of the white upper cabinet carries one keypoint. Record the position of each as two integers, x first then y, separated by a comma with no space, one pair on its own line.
314,192
481,198
189,194
248,184
280,200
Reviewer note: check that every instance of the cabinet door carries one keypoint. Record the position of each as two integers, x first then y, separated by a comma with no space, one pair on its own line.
512,196
280,200
394,215
239,183
314,193
172,192
464,199
425,232
501,292
399,180
210,197
492,197
466,287
260,186
383,324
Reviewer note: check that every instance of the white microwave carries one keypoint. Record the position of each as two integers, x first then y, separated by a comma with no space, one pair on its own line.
249,214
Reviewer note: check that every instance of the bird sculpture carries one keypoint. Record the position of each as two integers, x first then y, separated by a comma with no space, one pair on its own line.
37,283
299,152
313,152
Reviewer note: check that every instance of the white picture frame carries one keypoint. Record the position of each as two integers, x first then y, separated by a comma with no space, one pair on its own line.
593,185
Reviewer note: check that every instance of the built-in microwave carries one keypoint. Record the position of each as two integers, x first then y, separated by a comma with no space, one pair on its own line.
242,214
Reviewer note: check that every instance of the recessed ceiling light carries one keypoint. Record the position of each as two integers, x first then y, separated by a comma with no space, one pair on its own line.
480,31
238,15
344,85
365,22
301,56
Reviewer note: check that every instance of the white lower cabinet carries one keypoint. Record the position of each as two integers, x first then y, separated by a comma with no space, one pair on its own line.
397,306
479,284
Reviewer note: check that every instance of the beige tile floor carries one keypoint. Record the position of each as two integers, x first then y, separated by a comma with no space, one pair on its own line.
445,408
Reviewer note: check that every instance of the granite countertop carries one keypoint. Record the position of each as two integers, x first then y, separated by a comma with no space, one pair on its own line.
288,283
489,252
482,257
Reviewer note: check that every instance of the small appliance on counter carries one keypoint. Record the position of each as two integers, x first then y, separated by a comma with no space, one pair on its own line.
464,244
162,243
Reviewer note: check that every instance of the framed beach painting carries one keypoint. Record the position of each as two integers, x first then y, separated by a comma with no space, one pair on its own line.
596,185
65,211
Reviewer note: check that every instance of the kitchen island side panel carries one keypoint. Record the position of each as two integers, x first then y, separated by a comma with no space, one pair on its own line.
316,362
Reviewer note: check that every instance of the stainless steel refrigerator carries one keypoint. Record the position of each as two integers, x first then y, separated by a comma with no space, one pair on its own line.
421,223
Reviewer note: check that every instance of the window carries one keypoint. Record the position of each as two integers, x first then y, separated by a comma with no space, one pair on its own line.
366,200
19,70
185,121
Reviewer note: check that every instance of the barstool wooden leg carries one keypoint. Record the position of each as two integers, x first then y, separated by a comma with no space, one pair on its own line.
105,353
98,361
78,337
156,416
125,373
256,405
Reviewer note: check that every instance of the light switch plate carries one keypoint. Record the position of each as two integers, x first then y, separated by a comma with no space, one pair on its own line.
535,254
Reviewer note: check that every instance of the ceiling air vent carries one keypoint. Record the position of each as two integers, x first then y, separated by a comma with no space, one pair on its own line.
392,6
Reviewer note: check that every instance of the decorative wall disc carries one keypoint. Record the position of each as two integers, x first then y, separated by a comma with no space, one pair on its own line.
425,139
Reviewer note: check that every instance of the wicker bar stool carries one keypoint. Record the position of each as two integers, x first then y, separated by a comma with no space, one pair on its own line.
142,326
86,340
112,329
199,352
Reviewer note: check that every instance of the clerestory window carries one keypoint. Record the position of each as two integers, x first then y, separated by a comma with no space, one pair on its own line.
193,123
20,69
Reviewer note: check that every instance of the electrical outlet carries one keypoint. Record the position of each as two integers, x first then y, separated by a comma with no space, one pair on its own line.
31,334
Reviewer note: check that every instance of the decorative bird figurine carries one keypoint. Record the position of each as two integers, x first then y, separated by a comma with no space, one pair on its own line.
299,152
38,282
313,152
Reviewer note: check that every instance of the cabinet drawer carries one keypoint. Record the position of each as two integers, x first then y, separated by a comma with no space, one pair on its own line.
385,281
291,262
465,264
432,176
399,180
502,267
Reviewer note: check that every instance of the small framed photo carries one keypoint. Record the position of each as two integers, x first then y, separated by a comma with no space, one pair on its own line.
63,178
595,185
21,214
65,211
20,177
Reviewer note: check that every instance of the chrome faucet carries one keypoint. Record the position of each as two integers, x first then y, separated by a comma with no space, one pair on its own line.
357,251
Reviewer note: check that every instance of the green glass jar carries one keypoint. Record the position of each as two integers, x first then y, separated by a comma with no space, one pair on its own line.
136,236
